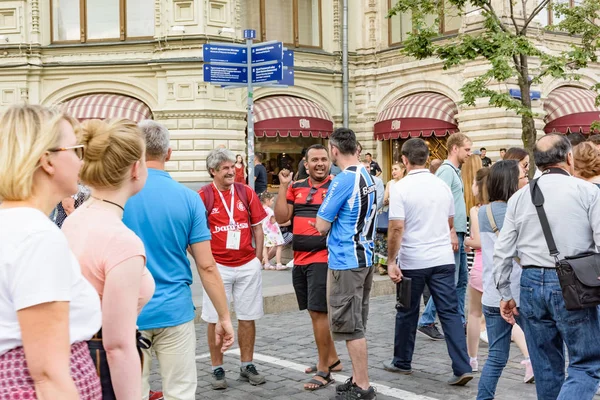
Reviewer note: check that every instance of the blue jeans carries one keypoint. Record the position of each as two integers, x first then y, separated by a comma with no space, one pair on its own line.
499,332
440,281
461,280
548,328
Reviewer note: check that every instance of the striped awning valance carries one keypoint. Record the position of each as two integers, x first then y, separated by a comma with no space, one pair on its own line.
570,109
102,106
421,114
291,116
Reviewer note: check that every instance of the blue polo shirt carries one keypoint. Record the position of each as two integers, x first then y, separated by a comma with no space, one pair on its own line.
168,217
350,207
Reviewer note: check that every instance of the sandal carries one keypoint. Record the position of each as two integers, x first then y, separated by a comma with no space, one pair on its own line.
318,384
314,369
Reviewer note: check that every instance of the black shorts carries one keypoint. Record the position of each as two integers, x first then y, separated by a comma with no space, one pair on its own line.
310,285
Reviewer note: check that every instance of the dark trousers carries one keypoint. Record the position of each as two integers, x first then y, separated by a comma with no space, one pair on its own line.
101,362
442,286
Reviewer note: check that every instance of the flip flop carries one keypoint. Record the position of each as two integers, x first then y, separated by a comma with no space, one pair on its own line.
314,369
318,384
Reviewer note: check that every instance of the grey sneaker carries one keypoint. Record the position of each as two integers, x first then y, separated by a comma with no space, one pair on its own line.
250,374
389,366
219,382
356,393
344,387
431,331
460,380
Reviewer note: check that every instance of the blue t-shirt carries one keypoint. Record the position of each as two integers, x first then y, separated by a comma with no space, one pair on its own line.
168,217
350,206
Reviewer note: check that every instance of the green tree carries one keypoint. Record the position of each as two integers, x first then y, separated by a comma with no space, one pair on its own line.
508,44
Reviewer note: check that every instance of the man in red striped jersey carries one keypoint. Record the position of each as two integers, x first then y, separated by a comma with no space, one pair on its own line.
301,201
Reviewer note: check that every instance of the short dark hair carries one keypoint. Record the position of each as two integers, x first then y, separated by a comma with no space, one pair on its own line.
503,148
483,149
503,180
304,150
345,140
594,139
259,157
575,138
416,151
368,154
516,153
316,146
555,154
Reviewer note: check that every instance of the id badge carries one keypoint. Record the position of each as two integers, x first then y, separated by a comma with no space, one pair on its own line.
233,240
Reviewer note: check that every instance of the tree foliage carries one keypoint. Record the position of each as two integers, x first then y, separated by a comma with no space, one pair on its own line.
510,44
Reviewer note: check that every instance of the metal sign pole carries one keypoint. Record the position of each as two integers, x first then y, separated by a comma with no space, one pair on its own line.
250,116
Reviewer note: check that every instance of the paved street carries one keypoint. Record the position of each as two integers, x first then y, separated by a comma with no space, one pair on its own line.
284,346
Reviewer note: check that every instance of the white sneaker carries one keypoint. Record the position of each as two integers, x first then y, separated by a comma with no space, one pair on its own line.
290,264
483,336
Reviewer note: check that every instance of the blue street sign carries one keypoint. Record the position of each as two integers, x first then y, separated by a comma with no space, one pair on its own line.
249,34
288,78
288,58
224,53
267,52
222,74
267,73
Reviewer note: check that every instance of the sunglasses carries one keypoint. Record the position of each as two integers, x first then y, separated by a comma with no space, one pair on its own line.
78,149
311,193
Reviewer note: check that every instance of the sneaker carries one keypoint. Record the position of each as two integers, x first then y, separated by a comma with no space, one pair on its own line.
219,382
460,380
431,331
156,396
474,364
290,265
529,378
484,337
344,387
356,393
389,366
250,374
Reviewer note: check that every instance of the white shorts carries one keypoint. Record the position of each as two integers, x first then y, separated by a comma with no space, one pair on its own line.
243,285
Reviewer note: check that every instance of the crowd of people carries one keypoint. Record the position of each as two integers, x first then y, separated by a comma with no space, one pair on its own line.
86,307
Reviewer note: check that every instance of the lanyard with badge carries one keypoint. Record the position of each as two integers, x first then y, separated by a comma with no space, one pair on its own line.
233,234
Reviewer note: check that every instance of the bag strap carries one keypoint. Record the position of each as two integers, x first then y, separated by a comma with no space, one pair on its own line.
490,216
209,197
537,197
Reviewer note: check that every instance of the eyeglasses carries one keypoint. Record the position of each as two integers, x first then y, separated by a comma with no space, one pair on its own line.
78,149
526,165
311,193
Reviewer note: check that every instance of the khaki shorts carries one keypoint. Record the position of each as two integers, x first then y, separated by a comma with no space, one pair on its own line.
348,294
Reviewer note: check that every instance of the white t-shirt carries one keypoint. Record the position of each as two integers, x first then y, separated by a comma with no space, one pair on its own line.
36,267
425,203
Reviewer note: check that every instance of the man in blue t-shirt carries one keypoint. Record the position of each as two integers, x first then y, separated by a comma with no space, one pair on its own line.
348,214
169,218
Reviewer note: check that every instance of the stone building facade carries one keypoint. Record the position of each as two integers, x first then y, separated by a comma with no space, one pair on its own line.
56,51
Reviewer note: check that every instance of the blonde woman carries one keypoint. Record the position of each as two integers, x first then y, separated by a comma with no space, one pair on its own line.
398,172
48,310
468,173
112,257
587,162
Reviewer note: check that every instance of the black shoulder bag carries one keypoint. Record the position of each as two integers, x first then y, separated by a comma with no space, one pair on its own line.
578,275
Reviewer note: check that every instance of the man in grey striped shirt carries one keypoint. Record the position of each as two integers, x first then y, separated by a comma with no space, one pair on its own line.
573,209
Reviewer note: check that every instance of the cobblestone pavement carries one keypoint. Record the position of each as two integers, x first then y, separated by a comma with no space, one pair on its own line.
285,345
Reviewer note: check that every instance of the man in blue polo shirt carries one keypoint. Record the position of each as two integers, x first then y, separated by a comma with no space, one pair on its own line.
348,213
169,218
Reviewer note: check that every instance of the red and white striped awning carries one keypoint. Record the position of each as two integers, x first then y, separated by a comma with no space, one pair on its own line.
102,106
421,114
290,116
570,109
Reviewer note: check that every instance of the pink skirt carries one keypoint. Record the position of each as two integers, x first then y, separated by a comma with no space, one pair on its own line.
476,274
16,383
